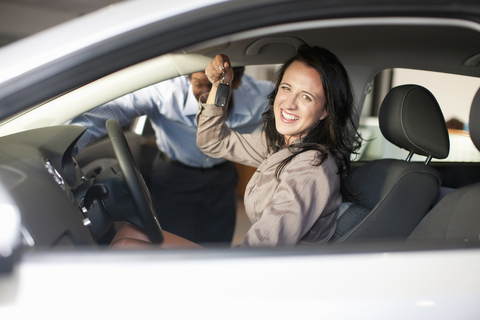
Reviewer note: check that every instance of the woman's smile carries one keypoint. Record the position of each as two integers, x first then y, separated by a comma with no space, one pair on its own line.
288,117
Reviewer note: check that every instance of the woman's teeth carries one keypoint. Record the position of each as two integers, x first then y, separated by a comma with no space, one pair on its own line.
289,116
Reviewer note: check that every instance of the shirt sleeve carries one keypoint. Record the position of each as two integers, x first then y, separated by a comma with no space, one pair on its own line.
216,140
300,199
126,108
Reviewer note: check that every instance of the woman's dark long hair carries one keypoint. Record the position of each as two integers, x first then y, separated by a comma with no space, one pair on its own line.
336,133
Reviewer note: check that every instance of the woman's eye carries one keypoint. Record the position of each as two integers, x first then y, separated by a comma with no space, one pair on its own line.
285,88
306,97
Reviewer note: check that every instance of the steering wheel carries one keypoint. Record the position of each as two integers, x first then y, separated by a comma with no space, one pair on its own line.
134,180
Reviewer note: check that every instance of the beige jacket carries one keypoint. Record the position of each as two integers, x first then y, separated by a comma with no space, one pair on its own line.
301,208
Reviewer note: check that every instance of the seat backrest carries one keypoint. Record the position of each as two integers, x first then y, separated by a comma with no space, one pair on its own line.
394,195
457,216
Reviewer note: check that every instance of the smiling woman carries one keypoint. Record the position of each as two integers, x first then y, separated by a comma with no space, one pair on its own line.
302,162
303,154
300,102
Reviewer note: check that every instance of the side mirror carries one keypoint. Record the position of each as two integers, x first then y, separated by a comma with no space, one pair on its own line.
10,232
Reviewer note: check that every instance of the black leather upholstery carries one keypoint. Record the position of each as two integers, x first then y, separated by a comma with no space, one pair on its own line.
399,193
413,121
457,216
474,120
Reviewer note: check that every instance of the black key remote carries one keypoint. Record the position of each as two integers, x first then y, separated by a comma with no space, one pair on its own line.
221,98
223,90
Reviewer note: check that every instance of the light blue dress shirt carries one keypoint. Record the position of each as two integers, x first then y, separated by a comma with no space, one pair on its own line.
171,107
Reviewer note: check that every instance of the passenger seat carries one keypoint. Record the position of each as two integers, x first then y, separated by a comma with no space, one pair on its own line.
456,217
394,195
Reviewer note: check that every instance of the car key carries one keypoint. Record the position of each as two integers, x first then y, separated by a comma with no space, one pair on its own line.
223,90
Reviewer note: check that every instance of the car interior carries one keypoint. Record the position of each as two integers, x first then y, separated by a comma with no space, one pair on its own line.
455,217
398,199
394,195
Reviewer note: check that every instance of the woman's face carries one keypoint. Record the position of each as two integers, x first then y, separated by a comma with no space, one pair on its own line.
300,101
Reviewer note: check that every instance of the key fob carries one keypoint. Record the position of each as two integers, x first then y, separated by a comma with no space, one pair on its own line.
221,98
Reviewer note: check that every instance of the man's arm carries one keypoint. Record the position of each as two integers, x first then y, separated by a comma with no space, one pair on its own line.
125,109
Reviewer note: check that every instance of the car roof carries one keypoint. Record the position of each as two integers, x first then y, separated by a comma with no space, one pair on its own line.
86,31
432,35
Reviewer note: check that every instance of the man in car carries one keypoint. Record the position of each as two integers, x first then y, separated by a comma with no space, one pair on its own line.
194,195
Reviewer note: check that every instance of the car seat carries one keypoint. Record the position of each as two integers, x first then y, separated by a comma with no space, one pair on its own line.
456,217
392,196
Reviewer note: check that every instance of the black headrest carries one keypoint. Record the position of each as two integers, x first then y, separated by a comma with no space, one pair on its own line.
411,118
474,122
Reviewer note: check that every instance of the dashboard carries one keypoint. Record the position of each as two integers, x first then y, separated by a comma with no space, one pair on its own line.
38,169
